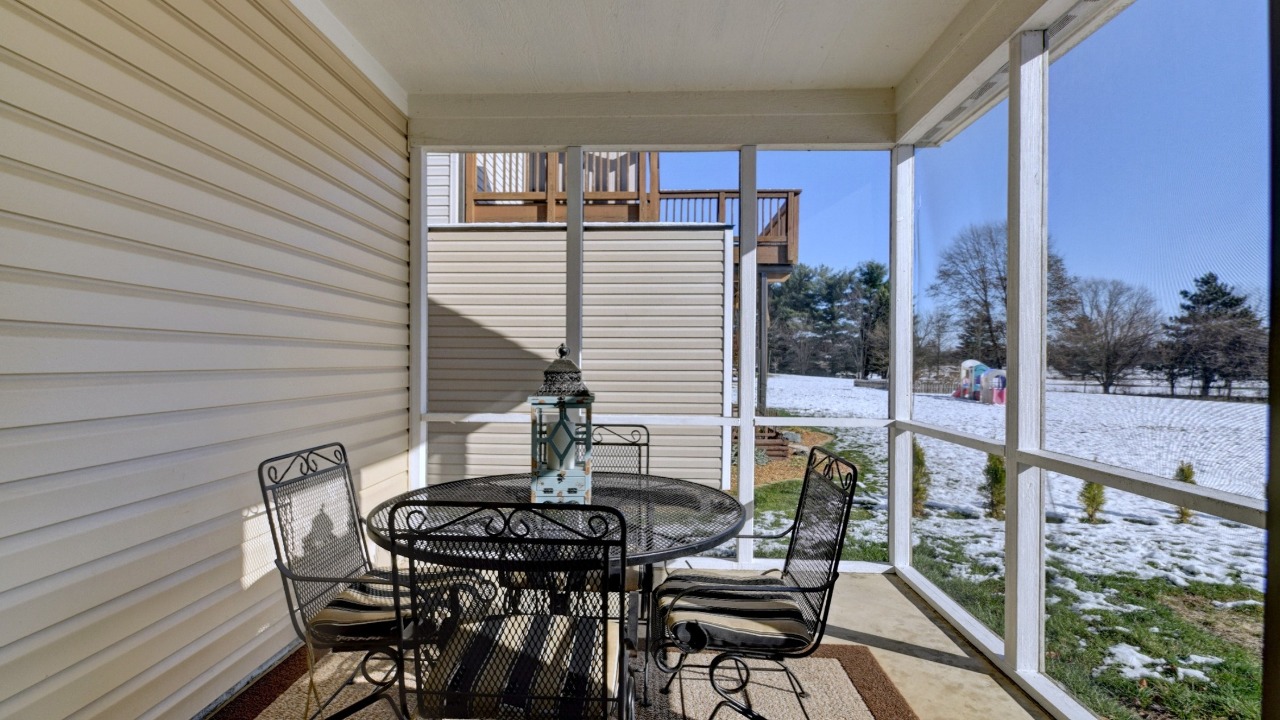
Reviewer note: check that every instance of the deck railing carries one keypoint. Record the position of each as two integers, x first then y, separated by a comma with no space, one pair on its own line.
618,187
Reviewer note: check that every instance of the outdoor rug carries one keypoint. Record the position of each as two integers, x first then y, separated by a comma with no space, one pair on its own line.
844,682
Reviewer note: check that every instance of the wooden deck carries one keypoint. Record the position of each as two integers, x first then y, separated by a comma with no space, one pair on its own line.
620,187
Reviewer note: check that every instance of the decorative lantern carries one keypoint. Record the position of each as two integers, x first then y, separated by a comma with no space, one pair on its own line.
561,447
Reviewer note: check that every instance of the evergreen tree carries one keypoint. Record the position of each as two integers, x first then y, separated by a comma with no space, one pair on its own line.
921,479
1187,474
1092,497
994,486
1216,337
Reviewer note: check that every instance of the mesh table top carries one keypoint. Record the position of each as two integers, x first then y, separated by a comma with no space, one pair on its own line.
666,518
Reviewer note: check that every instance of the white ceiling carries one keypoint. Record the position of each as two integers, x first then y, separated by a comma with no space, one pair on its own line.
437,47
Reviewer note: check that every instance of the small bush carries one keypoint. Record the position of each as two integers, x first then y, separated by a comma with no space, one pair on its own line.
921,479
1092,497
993,486
1187,474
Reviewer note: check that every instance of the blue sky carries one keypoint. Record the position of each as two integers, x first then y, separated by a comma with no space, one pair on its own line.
1157,161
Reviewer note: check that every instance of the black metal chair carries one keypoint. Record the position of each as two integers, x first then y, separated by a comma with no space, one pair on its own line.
534,631
761,616
337,601
620,448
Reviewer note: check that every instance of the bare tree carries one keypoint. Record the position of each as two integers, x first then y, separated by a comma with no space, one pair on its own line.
932,340
973,284
1112,331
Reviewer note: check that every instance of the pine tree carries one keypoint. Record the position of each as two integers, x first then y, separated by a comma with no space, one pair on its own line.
994,486
1187,474
1216,337
1092,497
921,479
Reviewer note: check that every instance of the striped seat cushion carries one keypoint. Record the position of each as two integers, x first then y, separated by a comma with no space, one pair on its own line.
363,612
758,620
545,666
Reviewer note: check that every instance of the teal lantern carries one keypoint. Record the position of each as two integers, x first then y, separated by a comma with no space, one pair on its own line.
561,445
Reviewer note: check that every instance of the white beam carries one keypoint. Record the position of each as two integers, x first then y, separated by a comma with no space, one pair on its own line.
573,251
747,271
963,439
851,119
902,193
417,319
1230,506
1024,415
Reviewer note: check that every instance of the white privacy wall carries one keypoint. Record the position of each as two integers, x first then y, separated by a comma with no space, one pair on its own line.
653,329
203,262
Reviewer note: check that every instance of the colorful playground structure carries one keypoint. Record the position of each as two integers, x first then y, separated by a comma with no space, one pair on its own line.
981,383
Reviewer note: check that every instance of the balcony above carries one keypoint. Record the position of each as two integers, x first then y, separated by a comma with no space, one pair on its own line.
622,187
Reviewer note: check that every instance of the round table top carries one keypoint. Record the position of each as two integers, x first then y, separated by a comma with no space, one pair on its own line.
666,518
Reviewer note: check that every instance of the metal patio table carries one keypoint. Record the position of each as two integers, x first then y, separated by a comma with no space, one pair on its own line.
666,518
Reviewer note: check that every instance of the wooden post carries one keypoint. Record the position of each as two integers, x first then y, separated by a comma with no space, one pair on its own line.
793,227
469,186
1024,414
762,336
901,361
553,176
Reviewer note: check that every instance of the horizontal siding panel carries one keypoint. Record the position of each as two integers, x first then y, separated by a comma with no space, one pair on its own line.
26,350
334,67
37,143
60,203
177,62
43,298
254,41
64,251
50,500
203,263
68,446
42,400
188,104
87,114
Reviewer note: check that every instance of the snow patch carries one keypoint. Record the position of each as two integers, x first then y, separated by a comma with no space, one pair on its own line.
1131,663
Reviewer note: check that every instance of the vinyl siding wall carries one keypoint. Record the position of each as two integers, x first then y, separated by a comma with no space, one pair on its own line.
203,263
653,325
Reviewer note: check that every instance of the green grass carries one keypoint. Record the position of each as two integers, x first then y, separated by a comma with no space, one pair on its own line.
1185,623
778,501
937,558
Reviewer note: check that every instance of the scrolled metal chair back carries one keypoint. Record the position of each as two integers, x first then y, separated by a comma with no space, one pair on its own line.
822,517
315,523
536,592
620,448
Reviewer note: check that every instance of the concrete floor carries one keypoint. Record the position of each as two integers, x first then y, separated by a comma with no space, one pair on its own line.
939,673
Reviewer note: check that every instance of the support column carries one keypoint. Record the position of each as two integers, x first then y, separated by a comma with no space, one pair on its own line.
417,318
762,358
902,231
747,271
573,252
1024,414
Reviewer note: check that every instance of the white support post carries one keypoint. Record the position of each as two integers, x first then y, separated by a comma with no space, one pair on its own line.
726,410
762,345
747,270
417,319
574,234
902,180
1024,418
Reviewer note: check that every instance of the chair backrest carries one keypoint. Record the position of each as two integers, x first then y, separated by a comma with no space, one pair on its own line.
315,524
515,606
817,539
620,448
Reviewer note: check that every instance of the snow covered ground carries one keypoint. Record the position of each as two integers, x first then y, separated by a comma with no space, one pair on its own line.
1225,442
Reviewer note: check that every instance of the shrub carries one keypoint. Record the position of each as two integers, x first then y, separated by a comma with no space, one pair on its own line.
1187,474
1093,497
994,486
921,479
